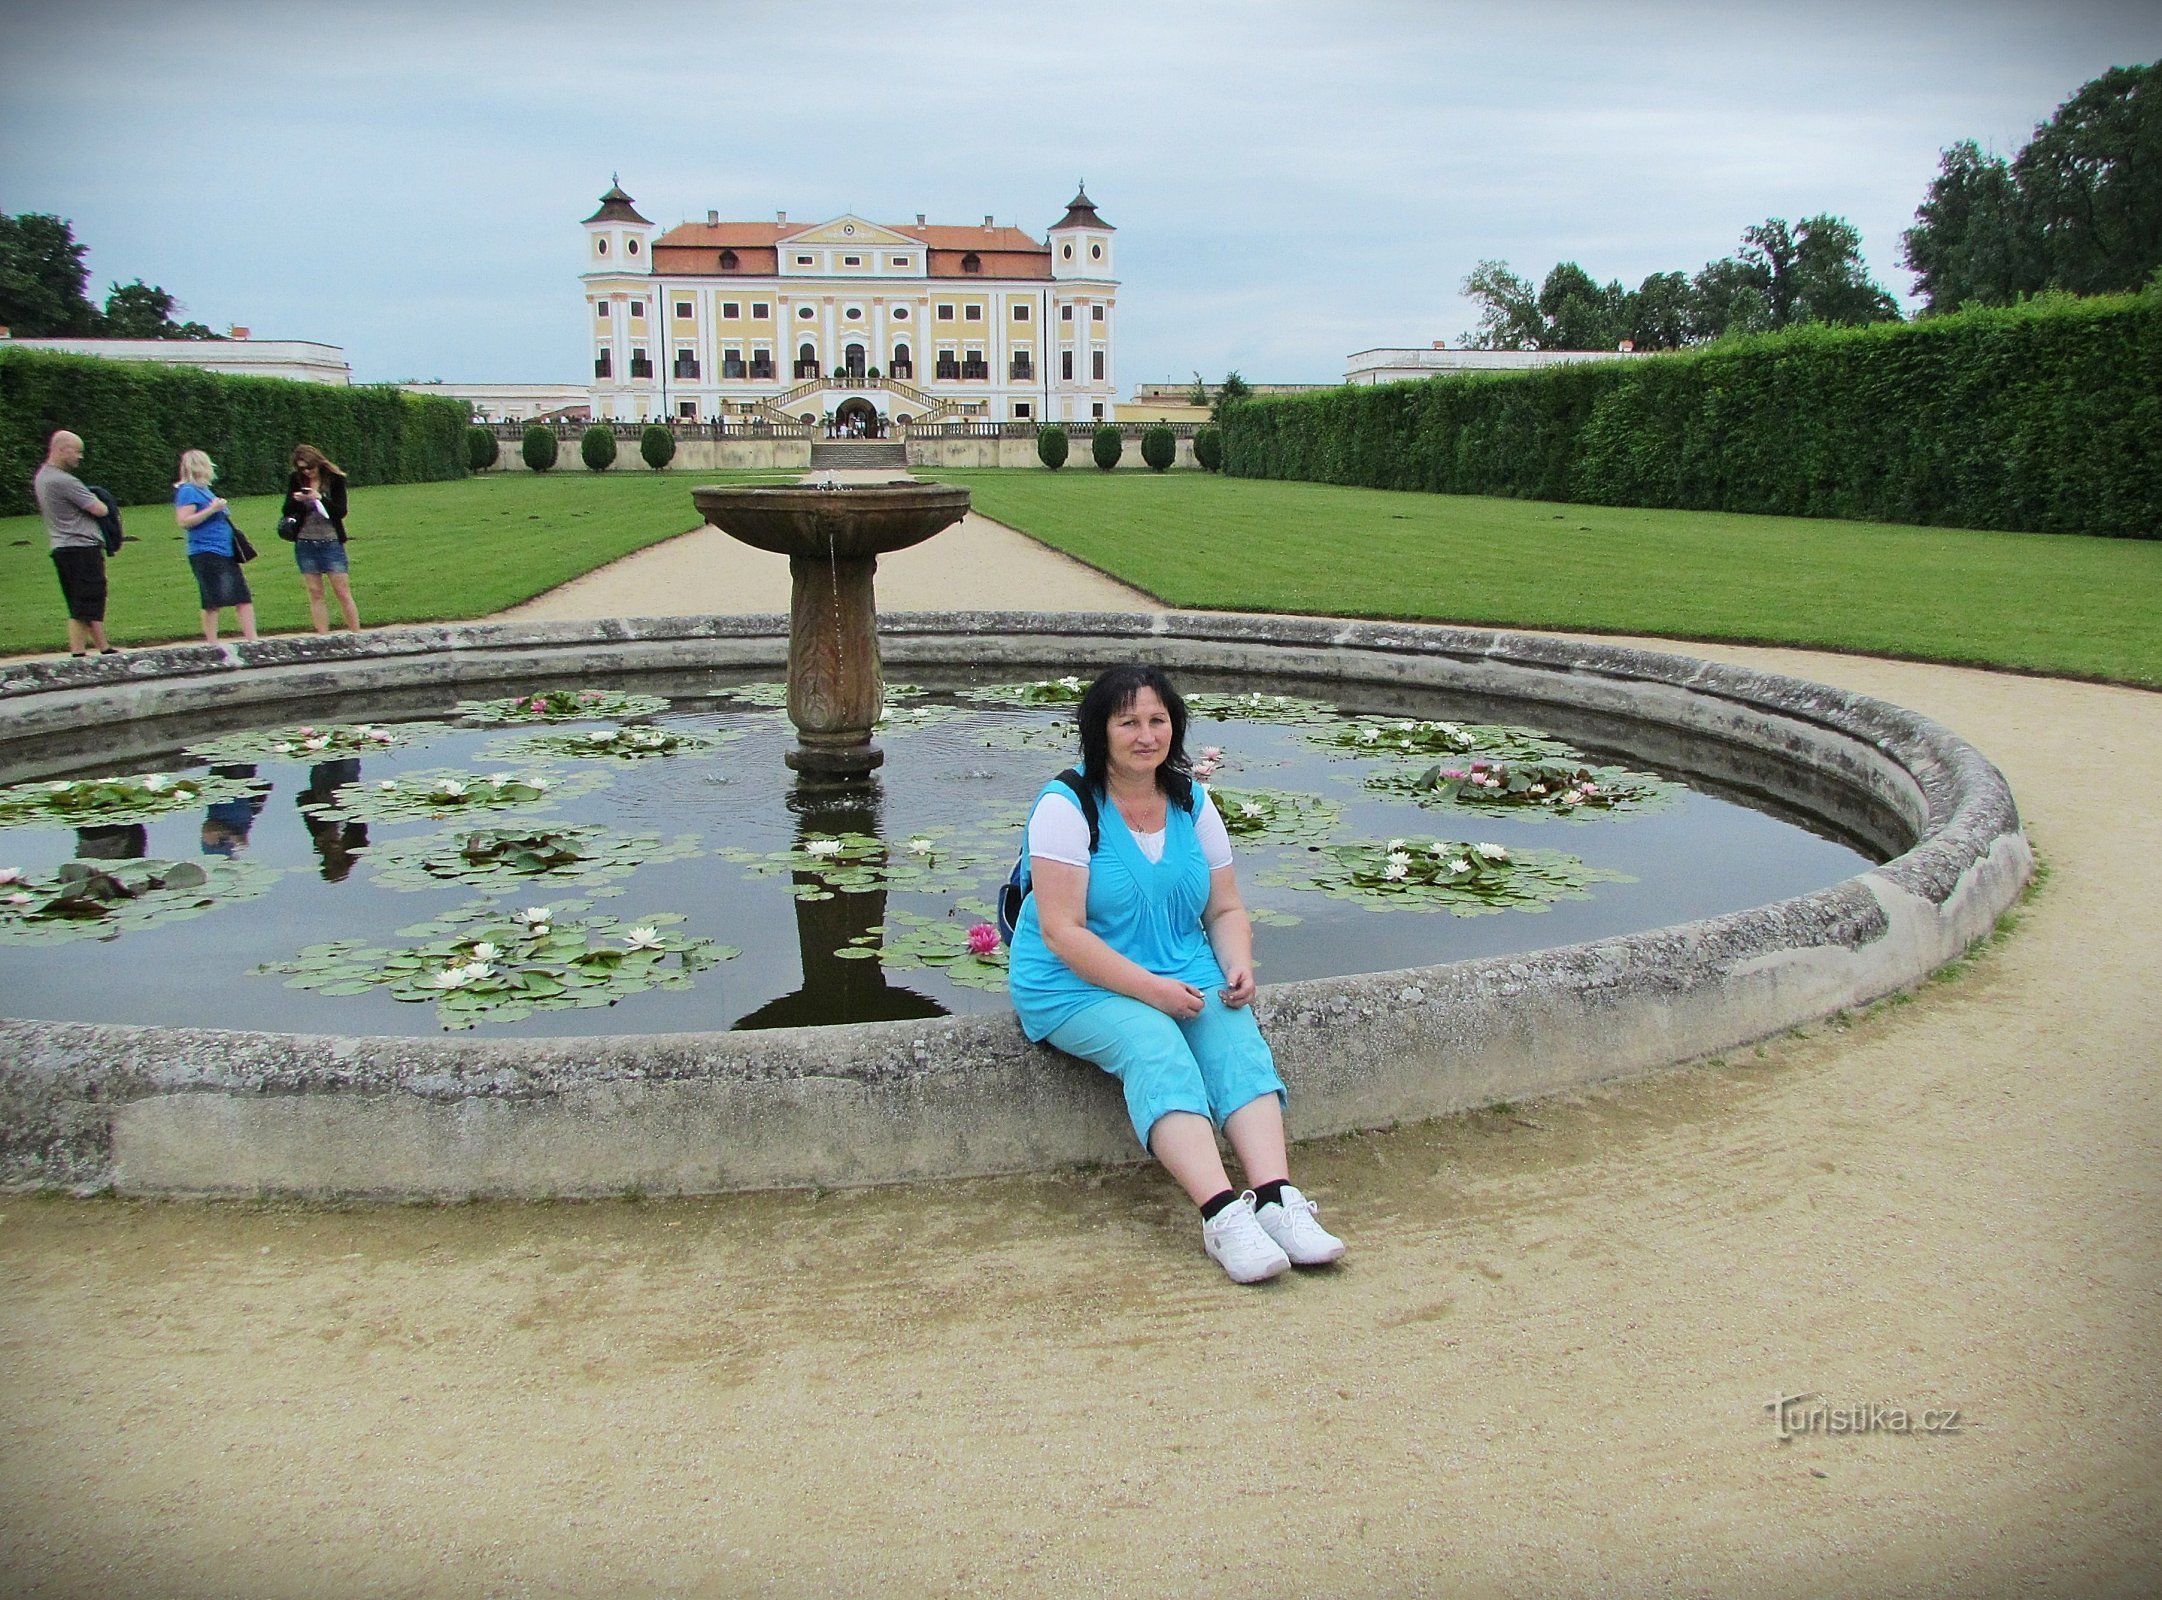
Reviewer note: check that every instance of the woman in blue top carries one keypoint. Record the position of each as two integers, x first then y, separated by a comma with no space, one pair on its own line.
1138,956
218,578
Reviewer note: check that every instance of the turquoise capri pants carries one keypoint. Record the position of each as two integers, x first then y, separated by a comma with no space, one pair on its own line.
1210,1065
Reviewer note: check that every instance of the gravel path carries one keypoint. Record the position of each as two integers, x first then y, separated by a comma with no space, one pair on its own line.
1544,1368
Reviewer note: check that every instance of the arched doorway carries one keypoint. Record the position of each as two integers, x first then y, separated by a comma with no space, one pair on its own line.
857,418
852,358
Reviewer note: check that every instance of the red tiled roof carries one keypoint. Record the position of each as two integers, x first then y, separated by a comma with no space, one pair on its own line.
992,264
740,236
693,260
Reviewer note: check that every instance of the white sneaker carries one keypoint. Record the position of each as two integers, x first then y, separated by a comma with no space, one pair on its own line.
1235,1242
1296,1228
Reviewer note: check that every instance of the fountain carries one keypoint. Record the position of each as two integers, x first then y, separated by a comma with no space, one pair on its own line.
833,535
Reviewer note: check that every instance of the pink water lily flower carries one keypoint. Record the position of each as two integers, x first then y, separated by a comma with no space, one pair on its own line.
982,939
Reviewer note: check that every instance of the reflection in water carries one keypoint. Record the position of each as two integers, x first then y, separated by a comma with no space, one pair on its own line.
835,990
226,822
336,841
123,841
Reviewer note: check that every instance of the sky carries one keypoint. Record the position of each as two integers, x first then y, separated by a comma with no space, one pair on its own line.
1291,180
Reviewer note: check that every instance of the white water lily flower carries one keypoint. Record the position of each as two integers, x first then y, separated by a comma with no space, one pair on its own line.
450,978
1070,683
476,970
501,777
386,786
1538,788
532,914
61,788
1369,735
919,846
538,783
156,783
602,735
1450,728
316,743
1248,808
11,875
1399,858
1460,865
379,735
281,748
1572,798
484,951
642,939
1396,844
823,847
1493,852
1396,871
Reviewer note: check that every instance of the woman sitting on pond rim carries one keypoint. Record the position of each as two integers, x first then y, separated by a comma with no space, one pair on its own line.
1137,954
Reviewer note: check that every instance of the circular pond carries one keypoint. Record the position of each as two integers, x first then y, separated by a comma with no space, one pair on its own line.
662,968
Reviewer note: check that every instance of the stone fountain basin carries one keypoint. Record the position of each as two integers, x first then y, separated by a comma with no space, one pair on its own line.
852,522
198,1111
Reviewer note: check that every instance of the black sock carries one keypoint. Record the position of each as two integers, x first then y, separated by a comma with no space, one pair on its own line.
1216,1203
1270,1193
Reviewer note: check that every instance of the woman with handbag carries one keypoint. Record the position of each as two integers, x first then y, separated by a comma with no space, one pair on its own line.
214,546
314,520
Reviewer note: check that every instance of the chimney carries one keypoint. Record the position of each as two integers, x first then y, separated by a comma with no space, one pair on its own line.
236,331
1441,344
919,219
987,222
713,219
781,217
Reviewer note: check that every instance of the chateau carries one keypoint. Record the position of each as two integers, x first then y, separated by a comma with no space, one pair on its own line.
869,324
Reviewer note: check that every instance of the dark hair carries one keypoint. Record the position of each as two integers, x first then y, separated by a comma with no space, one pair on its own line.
1112,693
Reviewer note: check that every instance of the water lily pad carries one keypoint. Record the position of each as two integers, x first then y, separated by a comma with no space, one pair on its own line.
1276,815
445,793
489,965
1399,736
639,741
563,705
953,946
1042,692
99,899
1463,879
1531,790
318,741
1287,709
502,858
88,802
932,861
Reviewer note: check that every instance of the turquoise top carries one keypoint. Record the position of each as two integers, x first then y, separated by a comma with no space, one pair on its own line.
1148,911
213,536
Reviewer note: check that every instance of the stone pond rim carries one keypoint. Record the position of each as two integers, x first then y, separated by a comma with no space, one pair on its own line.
151,1110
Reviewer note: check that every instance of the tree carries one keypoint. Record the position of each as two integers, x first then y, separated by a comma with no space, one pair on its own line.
1200,395
1508,309
1659,312
41,278
538,446
597,447
1159,447
481,449
142,310
1576,313
1831,280
1970,239
1106,447
1229,393
1209,449
1051,447
657,446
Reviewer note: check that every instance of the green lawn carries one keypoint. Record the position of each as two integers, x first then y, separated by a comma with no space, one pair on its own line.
2042,602
421,552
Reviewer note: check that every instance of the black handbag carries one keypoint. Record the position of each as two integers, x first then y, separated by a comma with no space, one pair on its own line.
289,529
242,550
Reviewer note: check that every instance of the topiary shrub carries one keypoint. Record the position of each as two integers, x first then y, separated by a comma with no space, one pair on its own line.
538,446
1209,449
1051,447
1159,448
481,450
1107,447
657,446
597,447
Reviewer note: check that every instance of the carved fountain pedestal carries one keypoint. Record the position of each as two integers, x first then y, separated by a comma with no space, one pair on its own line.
833,538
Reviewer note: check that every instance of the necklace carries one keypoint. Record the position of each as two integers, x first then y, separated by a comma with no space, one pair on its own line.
1143,816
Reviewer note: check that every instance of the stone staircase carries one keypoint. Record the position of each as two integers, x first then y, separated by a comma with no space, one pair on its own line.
858,454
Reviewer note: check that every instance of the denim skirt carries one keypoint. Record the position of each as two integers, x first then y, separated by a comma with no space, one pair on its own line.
219,580
320,556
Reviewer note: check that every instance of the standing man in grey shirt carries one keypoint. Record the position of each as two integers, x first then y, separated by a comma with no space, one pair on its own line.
78,544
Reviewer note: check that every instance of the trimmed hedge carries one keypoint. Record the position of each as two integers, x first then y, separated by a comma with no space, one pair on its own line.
1106,447
657,446
1209,449
481,449
1159,447
597,447
1051,447
2045,417
136,418
537,446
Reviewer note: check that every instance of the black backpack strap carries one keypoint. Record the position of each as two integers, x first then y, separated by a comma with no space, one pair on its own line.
1085,798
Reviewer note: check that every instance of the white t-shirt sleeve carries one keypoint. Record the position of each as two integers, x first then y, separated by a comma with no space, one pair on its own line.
1058,832
1211,835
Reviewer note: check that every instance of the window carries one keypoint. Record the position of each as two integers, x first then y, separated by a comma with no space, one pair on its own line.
1096,364
1065,365
945,313
1020,312
974,367
687,410
1096,252
902,367
851,261
949,366
805,313
803,261
1023,366
638,308
760,310
632,247
854,313
683,311
1065,313
729,310
1097,411
604,365
900,261
900,313
852,359
1066,251
1096,313
761,363
972,262
686,362
972,313
806,360
728,261
600,247
732,362
1021,411
641,364
602,309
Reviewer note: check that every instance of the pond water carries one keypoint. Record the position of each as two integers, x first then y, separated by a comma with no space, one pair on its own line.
698,888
